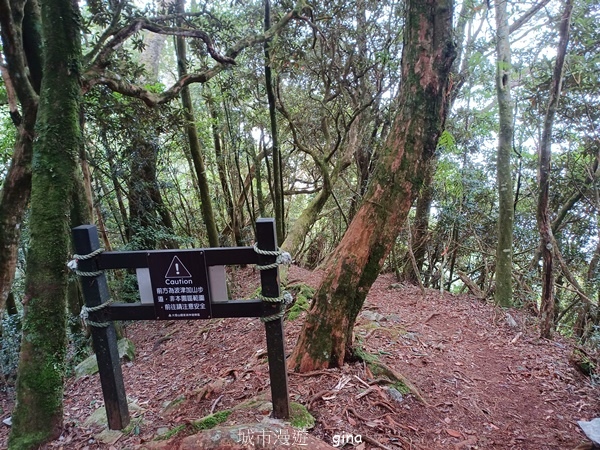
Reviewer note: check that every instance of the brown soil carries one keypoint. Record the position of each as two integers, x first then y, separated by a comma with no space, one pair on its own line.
484,384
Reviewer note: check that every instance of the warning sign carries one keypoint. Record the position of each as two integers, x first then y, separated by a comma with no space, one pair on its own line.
179,284
177,269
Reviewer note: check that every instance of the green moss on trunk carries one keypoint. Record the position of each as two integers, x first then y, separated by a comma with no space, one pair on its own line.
37,417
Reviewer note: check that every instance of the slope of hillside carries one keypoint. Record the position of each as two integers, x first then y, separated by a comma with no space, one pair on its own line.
482,383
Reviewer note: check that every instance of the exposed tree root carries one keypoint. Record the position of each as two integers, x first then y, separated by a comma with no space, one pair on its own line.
378,368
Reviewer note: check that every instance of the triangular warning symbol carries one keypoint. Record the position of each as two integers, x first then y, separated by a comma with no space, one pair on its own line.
177,269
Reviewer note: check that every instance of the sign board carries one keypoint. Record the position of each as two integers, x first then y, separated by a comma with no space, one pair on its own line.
179,284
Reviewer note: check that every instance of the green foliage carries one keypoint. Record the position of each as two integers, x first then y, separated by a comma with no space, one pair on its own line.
78,348
10,344
8,135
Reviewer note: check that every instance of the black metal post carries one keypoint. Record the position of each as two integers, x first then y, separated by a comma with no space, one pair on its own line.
267,240
95,292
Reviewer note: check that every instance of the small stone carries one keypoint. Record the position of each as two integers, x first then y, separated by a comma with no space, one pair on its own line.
591,429
372,316
395,394
109,437
511,321
7,421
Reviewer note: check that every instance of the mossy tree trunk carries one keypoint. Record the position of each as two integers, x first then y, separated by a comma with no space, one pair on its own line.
38,412
427,57
504,181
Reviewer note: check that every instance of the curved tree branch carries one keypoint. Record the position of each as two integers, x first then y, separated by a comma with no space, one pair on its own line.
97,73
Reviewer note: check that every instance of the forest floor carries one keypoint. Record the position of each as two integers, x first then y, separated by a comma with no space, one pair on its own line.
483,383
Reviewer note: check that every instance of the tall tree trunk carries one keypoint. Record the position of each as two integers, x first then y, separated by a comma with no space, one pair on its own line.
234,221
547,308
256,162
308,217
504,249
13,202
147,211
420,231
427,56
38,412
21,41
192,133
276,154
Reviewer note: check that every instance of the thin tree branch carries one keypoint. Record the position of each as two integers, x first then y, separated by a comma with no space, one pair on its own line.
528,15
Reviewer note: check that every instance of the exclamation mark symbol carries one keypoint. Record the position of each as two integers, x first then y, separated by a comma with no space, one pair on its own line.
176,269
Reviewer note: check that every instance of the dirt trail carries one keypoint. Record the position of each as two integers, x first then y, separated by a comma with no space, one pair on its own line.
486,384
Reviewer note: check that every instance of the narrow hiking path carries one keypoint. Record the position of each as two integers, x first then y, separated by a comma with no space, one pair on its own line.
485,384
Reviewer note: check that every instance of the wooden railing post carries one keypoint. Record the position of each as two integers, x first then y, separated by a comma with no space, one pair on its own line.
267,240
95,292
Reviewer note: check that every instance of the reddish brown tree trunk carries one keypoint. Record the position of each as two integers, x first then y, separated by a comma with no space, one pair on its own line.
355,264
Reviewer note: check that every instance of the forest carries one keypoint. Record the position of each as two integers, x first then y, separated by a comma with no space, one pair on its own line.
452,145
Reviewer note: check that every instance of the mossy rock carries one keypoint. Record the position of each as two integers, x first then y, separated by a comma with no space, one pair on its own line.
582,362
303,295
89,366
98,417
126,349
300,417
168,434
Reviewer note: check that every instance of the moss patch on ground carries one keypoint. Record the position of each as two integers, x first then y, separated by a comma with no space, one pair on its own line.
206,423
300,417
212,420
172,432
303,294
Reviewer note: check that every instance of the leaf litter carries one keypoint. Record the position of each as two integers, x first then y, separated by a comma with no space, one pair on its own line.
485,378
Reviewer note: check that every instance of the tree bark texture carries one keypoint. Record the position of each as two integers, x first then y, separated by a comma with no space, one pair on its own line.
504,249
147,210
221,159
194,142
420,231
37,416
277,188
427,56
547,308
21,45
